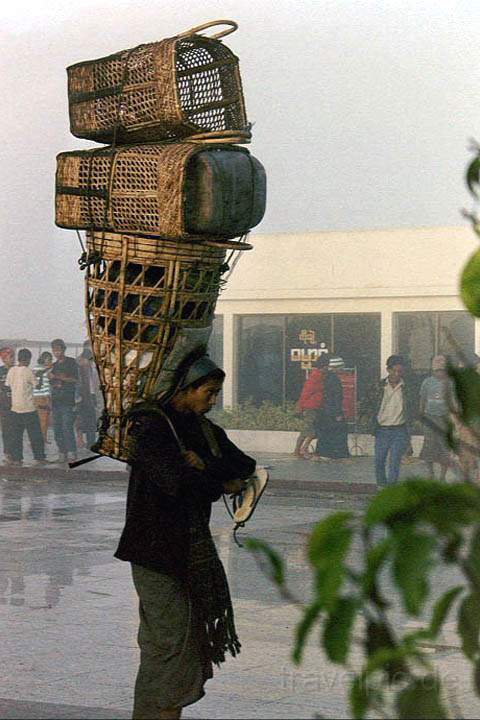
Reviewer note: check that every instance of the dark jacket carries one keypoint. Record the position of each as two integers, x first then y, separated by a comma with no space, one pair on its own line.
156,533
376,402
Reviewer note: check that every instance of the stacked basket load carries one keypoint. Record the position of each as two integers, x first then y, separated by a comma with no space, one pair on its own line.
162,205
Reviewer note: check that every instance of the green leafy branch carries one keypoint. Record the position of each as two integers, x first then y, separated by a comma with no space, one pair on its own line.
418,524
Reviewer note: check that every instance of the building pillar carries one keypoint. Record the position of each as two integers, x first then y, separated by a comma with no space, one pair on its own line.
386,339
229,365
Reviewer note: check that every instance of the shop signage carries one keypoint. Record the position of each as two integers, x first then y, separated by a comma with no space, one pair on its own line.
307,356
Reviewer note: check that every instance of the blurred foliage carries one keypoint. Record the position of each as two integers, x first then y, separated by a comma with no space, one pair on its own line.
267,416
408,533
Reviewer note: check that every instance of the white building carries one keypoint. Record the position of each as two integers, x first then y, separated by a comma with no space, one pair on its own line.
361,294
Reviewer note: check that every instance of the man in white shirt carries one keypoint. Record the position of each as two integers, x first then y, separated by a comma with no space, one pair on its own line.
21,381
392,418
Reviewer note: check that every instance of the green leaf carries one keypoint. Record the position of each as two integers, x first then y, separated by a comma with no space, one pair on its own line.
476,677
260,547
455,506
421,699
328,545
384,653
359,697
441,609
375,560
440,612
303,629
469,625
467,380
389,503
330,539
411,567
472,563
425,500
338,629
472,177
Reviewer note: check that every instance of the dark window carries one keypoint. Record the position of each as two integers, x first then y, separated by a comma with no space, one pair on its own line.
356,339
421,335
276,352
456,335
261,371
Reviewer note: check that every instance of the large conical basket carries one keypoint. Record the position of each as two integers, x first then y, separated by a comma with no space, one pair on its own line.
149,302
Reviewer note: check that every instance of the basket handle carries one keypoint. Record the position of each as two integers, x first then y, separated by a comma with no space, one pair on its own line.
212,23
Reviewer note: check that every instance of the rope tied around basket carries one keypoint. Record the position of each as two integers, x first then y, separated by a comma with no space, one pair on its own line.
88,259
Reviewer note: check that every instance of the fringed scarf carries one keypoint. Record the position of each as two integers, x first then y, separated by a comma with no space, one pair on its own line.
206,579
208,588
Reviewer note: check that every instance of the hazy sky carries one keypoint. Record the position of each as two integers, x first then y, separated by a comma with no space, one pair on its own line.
362,108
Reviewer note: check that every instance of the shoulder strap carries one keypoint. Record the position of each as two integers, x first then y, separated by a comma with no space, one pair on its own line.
172,428
210,437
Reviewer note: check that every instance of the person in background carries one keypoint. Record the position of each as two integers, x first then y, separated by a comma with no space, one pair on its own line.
180,463
7,356
87,400
436,393
63,379
41,394
330,425
392,417
310,401
21,381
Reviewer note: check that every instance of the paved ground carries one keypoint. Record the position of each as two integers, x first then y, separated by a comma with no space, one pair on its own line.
68,611
353,475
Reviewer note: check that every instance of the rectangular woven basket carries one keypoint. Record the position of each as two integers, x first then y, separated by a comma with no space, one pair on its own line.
161,189
149,302
178,87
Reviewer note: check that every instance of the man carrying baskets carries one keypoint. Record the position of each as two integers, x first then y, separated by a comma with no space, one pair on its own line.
180,463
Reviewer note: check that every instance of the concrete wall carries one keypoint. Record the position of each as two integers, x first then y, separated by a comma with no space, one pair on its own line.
383,271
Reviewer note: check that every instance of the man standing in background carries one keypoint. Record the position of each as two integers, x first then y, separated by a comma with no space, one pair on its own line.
63,379
391,420
21,381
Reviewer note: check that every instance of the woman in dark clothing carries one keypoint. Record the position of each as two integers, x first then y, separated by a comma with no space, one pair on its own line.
180,463
330,424
86,406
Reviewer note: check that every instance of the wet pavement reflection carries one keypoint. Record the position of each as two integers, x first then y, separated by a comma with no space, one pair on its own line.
69,612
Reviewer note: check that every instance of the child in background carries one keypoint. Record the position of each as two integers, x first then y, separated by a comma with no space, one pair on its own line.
41,393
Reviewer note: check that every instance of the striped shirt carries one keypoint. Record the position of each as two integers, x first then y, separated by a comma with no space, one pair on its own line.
44,389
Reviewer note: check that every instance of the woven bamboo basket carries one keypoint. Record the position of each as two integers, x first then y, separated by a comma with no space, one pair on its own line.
146,189
182,86
149,302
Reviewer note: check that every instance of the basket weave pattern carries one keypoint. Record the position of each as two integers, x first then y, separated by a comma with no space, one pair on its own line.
164,90
137,189
139,297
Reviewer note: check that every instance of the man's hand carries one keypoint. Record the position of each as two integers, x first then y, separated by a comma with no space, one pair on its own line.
192,459
64,378
232,487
